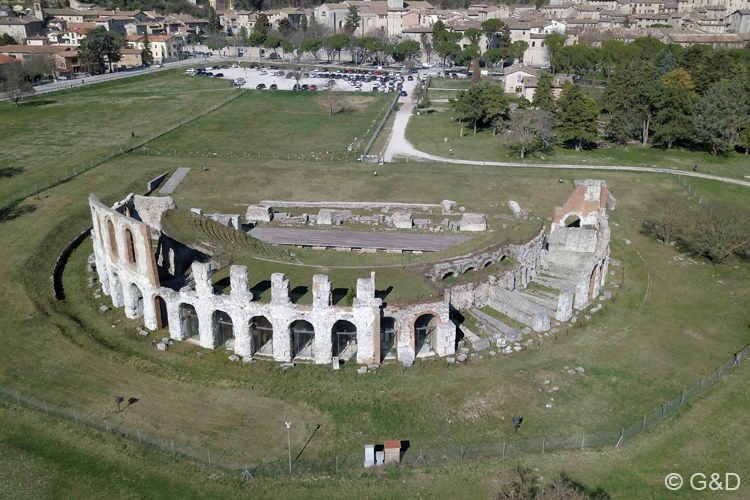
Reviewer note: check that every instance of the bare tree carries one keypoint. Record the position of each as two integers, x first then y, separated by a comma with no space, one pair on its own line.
530,128
719,232
665,216
14,84
335,100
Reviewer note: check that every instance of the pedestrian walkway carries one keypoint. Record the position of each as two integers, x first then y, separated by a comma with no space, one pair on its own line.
175,180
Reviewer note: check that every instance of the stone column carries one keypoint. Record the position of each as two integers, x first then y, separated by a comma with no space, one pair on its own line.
366,309
243,343
206,325
149,312
240,287
446,339
202,276
175,324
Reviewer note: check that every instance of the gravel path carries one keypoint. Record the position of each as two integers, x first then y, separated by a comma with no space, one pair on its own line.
175,180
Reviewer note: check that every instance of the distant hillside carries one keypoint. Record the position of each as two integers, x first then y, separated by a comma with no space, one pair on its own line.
160,6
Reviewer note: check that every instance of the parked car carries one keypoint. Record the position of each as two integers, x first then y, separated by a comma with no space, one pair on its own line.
273,86
313,87
219,75
260,86
404,94
305,87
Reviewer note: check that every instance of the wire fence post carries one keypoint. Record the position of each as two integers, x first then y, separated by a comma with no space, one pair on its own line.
174,454
682,400
18,400
209,459
544,443
643,426
503,450
139,435
45,408
337,464
75,415
583,440
106,424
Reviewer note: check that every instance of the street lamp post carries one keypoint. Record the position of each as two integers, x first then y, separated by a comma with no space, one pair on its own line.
289,442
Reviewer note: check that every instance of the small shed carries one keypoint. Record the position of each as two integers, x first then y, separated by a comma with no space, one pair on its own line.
392,452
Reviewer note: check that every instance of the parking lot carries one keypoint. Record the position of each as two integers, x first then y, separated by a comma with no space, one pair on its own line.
317,79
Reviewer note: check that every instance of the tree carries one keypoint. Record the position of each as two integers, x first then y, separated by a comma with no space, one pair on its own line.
664,217
447,49
505,38
529,128
283,25
273,43
353,20
664,62
578,117
262,24
147,56
719,116
719,232
405,50
491,28
437,28
256,39
426,45
461,107
544,96
335,101
6,39
745,138
243,33
674,118
626,22
311,46
493,56
303,22
335,43
518,49
288,48
214,23
495,106
100,45
554,42
13,82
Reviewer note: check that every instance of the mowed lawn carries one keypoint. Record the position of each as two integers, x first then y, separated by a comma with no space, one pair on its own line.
51,133
428,131
267,124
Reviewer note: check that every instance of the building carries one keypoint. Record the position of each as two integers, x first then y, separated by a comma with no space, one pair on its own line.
21,28
164,48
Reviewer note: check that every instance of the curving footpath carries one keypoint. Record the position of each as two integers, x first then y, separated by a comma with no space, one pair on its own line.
398,146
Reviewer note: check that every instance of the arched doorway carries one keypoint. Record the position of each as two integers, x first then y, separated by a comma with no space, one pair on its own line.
112,239
223,329
303,339
344,340
160,309
189,321
136,298
388,333
424,334
130,246
262,333
573,221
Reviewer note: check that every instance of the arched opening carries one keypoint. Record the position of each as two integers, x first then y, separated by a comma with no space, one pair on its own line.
303,339
189,321
388,333
470,269
574,222
487,264
136,300
160,309
592,283
262,332
111,238
344,340
223,329
424,334
130,246
116,291
448,275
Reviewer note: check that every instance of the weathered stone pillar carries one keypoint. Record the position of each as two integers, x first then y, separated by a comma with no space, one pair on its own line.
366,311
281,309
202,276
446,339
149,313
206,325
175,322
238,281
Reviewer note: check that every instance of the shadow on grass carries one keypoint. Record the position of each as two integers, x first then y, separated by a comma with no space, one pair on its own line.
14,211
10,172
37,103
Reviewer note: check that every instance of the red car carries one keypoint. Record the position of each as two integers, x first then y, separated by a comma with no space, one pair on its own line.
313,87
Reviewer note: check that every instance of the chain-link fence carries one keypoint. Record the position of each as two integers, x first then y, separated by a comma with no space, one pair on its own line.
133,148
235,462
702,200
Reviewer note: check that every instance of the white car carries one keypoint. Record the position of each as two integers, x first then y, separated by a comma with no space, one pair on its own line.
263,72
235,65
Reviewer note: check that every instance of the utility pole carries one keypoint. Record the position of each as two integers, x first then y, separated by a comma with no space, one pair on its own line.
289,442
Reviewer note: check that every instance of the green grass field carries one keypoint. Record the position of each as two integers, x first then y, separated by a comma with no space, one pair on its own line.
669,325
57,132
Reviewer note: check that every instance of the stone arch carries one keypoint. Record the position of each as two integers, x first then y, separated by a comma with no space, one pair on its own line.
388,334
592,282
448,275
261,331
160,311
136,301
344,339
112,239
116,291
488,263
425,328
577,218
302,334
223,328
470,268
130,246
189,321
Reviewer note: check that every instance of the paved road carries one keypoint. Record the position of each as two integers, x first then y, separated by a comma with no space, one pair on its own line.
350,239
399,146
